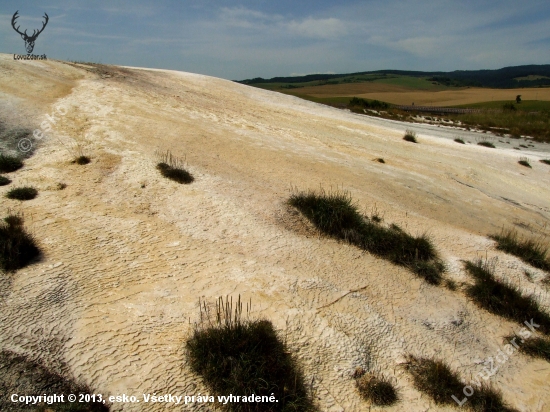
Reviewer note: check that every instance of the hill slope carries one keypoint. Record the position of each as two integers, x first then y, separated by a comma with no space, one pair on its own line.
127,253
505,78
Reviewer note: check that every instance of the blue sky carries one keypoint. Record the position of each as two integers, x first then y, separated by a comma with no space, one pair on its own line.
245,39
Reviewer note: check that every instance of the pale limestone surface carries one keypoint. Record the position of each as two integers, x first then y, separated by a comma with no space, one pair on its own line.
112,299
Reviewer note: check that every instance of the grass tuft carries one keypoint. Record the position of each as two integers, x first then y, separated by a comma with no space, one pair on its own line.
82,160
410,136
486,144
172,168
545,161
377,389
22,193
451,284
530,251
503,299
335,215
4,181
380,160
524,162
537,347
437,380
244,357
17,247
458,140
19,374
9,163
488,399
434,378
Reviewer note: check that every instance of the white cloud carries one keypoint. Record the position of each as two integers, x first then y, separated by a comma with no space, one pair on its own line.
244,18
418,46
276,24
318,28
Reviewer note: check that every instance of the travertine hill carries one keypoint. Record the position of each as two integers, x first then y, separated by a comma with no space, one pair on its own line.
127,253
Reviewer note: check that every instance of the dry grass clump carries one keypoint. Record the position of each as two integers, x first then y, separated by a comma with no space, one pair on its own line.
380,160
172,167
335,215
17,247
537,347
531,251
410,136
79,157
485,143
524,161
82,160
458,140
545,161
20,375
376,388
243,358
22,193
503,299
437,380
9,163
4,181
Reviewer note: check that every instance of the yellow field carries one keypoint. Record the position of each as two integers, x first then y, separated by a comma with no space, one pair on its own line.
403,95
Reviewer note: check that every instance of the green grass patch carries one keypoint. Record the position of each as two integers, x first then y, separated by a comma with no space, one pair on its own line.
410,136
545,161
531,251
4,181
439,382
524,106
9,164
414,83
502,298
368,104
517,123
458,140
172,168
22,193
335,215
377,389
17,247
411,82
243,358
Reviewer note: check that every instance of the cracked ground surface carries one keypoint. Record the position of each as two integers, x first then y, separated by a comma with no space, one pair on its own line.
127,253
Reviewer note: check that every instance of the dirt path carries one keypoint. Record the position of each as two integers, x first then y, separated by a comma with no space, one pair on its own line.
128,253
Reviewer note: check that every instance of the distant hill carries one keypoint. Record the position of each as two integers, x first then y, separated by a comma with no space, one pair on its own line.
505,78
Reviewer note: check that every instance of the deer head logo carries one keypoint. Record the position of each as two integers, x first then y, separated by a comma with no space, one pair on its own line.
29,40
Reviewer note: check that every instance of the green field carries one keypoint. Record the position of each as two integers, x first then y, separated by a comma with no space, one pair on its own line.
415,83
524,106
410,82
